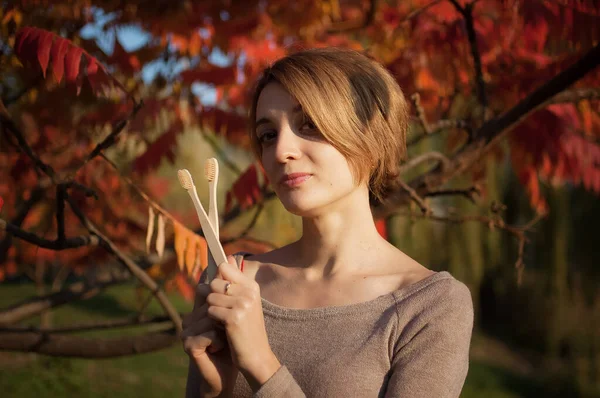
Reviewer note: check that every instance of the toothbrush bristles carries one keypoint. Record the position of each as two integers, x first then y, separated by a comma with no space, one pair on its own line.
185,179
210,169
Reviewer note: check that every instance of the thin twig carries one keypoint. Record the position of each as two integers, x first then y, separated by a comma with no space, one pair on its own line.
110,139
425,209
520,233
438,127
416,99
249,227
9,125
139,273
60,212
443,160
575,95
469,193
221,154
467,13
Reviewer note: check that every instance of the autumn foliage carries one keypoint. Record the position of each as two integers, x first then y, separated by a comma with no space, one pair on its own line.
99,116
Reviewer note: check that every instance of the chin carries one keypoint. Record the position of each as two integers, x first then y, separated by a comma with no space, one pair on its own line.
301,205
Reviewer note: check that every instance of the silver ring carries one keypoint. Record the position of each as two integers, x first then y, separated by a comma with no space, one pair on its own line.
227,286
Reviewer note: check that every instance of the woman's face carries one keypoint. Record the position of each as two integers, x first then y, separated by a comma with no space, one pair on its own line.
308,174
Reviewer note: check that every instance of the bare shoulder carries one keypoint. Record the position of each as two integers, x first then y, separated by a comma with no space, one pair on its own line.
408,270
265,262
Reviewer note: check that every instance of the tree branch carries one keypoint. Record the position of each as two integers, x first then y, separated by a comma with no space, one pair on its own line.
425,209
467,13
139,273
249,227
468,193
35,196
575,95
70,243
88,327
82,347
438,127
9,125
413,162
490,133
60,212
36,305
520,233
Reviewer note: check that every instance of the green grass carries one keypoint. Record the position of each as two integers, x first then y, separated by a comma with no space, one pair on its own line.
161,373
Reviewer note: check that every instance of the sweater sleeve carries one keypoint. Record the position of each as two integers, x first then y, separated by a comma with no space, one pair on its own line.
281,384
431,358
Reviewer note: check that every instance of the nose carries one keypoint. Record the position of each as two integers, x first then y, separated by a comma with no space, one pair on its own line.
287,146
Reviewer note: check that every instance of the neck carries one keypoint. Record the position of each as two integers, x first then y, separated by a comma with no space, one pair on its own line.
340,239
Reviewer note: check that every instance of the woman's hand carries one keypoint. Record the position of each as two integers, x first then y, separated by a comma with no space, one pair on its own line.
205,343
239,309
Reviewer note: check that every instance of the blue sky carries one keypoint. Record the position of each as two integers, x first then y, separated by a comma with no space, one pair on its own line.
133,37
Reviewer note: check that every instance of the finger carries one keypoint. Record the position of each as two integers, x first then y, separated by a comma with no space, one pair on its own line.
220,314
198,344
199,327
220,300
219,286
230,271
194,316
202,290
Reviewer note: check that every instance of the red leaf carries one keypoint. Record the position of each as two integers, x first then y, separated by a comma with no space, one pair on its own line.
1,203
382,228
246,189
25,44
44,50
212,74
59,49
33,44
162,147
232,125
72,61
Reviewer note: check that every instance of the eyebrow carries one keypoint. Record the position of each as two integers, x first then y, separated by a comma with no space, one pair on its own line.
264,120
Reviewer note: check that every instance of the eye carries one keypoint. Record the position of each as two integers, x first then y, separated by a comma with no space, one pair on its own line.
266,137
308,125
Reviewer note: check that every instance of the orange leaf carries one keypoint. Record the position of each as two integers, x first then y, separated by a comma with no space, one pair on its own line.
186,290
191,253
160,237
180,232
150,228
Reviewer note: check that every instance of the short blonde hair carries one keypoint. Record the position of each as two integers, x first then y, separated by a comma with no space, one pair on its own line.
354,102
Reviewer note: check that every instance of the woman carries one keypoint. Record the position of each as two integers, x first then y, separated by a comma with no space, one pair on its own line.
340,312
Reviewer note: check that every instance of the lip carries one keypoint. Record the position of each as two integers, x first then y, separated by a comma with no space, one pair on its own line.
294,179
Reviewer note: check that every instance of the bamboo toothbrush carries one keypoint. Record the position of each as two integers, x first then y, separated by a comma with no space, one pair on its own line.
211,172
187,183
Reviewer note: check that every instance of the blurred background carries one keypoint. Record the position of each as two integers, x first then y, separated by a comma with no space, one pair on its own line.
102,103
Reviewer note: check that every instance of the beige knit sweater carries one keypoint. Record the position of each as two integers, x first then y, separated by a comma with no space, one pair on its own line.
413,342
